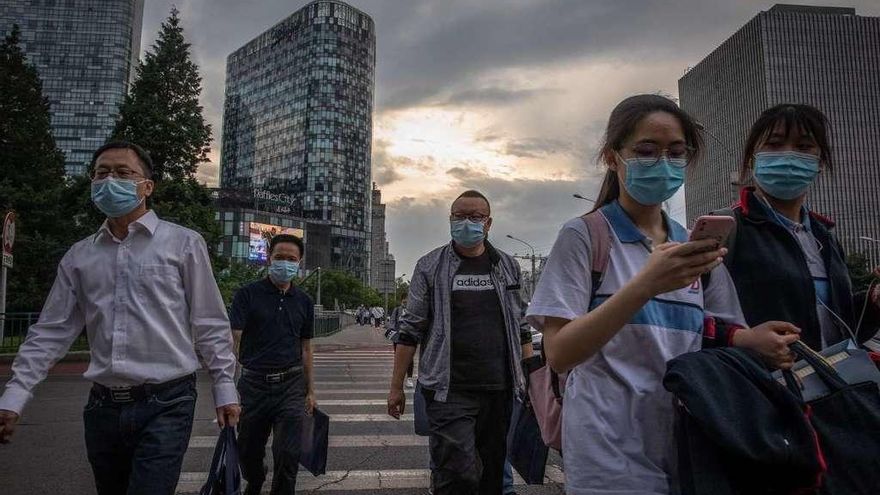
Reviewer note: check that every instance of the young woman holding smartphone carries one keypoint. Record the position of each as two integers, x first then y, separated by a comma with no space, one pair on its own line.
615,339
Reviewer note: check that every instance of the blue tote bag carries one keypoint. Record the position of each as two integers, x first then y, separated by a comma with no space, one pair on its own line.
315,440
224,478
526,449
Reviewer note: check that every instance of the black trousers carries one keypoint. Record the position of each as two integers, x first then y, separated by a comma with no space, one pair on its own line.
277,408
468,441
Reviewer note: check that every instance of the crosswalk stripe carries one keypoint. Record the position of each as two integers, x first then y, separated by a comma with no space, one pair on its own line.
356,480
367,418
351,402
338,441
384,391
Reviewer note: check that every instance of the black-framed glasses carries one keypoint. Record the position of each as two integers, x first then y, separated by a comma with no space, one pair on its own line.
119,173
649,154
476,217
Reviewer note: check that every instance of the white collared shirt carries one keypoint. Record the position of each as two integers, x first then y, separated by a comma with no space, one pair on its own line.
147,303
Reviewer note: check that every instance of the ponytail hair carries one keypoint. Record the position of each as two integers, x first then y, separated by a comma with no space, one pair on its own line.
622,123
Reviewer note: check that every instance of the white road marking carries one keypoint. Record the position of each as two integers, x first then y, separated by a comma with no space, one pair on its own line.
348,481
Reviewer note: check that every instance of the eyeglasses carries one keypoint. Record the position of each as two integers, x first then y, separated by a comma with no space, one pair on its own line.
476,218
649,154
119,173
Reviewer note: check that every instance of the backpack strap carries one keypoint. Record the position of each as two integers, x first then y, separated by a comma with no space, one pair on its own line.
600,247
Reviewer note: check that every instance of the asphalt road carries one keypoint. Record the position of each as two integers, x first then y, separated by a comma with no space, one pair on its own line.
370,453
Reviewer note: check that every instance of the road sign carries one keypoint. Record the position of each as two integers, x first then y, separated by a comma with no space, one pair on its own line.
8,235
7,260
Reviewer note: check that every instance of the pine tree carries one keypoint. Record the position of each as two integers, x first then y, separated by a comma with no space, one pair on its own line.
31,179
162,114
162,111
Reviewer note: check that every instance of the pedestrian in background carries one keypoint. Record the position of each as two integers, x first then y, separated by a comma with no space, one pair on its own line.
273,324
615,338
144,291
465,308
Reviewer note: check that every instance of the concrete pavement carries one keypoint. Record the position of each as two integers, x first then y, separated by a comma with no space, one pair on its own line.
370,452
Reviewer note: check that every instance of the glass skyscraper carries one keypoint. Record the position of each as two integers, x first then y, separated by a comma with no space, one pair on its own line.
827,57
298,122
85,52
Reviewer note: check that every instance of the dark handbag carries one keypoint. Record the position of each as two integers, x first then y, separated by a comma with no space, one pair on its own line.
420,413
315,441
846,420
526,450
224,478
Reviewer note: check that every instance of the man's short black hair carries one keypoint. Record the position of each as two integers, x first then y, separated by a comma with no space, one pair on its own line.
143,156
471,193
278,239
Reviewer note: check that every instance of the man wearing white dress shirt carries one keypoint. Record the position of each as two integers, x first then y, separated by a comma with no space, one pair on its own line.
144,291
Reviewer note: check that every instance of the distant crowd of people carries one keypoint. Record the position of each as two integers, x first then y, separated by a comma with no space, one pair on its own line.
374,316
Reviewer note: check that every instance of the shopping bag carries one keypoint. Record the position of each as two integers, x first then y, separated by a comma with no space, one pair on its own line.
224,477
315,441
526,450
846,420
545,388
420,413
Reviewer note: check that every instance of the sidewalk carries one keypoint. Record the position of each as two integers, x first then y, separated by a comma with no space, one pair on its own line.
354,336
351,337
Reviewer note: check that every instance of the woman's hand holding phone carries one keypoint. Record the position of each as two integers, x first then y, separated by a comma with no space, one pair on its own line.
674,265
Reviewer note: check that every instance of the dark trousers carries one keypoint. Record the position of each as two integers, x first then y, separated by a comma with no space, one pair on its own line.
137,447
277,408
468,441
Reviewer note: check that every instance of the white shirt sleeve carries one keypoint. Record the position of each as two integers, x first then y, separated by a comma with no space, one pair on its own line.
61,321
565,287
720,299
209,322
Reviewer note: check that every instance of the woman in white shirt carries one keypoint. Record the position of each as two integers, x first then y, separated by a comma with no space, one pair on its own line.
615,339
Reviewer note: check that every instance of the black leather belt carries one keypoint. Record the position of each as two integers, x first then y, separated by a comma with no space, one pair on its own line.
273,377
121,395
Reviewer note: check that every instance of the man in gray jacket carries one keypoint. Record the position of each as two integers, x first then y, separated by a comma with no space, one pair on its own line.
464,308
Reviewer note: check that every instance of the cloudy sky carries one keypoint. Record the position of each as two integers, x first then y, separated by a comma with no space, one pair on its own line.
506,96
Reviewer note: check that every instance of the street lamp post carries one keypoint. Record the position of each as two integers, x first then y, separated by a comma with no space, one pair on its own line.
578,196
532,277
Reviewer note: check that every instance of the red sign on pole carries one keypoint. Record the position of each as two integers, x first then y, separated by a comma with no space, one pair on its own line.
8,238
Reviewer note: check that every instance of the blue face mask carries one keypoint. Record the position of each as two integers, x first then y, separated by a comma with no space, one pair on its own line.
653,184
466,233
282,271
785,174
115,197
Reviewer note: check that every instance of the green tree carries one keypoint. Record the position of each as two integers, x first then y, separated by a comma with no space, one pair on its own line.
162,111
31,178
859,271
342,287
162,114
236,275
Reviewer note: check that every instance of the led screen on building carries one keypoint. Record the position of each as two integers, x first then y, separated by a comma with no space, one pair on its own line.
261,234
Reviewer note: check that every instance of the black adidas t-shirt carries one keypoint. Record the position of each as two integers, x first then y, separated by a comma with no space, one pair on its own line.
479,344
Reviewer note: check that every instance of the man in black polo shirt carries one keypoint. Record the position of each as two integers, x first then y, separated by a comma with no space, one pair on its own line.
272,323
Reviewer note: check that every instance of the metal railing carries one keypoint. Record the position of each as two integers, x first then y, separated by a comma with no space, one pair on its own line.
14,328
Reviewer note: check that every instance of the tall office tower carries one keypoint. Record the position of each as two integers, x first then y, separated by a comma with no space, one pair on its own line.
85,52
822,56
298,121
382,264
